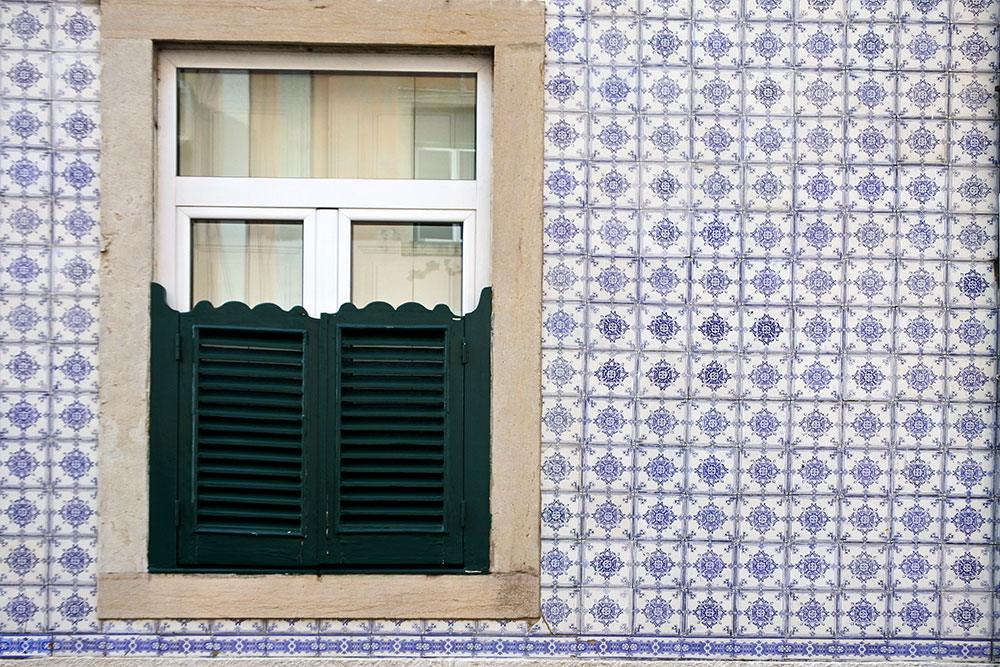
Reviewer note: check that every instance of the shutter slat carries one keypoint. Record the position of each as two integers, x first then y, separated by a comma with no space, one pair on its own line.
248,498
255,526
354,482
274,515
205,453
213,395
367,439
274,371
398,426
363,397
250,355
400,412
396,339
250,483
249,404
399,509
270,340
411,354
244,441
207,408
292,386
235,469
393,453
410,524
401,496
250,428
372,369
416,383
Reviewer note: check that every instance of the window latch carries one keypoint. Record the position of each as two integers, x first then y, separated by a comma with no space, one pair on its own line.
465,351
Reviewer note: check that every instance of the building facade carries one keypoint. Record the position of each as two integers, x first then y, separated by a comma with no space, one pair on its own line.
768,347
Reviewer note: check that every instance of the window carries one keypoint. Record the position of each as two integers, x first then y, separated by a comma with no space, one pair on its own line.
343,438
283,171
132,35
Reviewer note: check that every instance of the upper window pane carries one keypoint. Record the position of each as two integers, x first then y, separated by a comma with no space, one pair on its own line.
266,123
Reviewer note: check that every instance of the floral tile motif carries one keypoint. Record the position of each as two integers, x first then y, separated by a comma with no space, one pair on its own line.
768,353
815,191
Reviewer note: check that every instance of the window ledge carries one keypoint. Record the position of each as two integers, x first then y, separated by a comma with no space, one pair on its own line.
142,595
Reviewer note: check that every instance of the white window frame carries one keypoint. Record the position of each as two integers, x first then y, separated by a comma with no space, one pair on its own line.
326,206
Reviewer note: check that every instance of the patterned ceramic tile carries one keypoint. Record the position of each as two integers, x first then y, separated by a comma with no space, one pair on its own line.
768,351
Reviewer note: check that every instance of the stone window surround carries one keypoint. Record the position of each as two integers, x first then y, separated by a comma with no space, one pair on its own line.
132,32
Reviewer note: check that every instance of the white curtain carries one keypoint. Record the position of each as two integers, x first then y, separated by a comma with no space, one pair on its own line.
326,125
256,262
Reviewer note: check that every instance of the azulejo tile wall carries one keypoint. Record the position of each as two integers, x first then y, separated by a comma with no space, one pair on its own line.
770,321
49,247
769,347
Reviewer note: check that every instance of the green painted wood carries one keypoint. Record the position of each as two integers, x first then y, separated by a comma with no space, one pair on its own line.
478,378
248,450
349,442
397,437
163,433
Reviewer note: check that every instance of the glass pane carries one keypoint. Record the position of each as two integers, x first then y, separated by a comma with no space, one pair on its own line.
279,124
213,123
326,124
251,261
445,127
403,262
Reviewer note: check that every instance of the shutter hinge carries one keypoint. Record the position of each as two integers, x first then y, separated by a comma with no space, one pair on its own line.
177,512
463,514
465,350
177,347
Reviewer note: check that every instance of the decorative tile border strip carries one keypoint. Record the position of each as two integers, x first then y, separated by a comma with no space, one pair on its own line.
560,647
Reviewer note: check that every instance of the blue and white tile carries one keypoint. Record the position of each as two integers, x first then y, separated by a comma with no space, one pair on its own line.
667,90
27,123
565,39
759,613
665,42
820,93
963,615
24,609
812,613
974,47
25,560
24,221
76,76
565,88
709,613
73,463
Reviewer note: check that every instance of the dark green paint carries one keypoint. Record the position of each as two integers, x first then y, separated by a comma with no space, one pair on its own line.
356,441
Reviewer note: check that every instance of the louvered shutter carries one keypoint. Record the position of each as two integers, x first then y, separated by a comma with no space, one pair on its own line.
397,465
358,441
246,473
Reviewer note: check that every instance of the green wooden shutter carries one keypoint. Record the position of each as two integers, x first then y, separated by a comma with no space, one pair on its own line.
354,442
246,473
396,497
